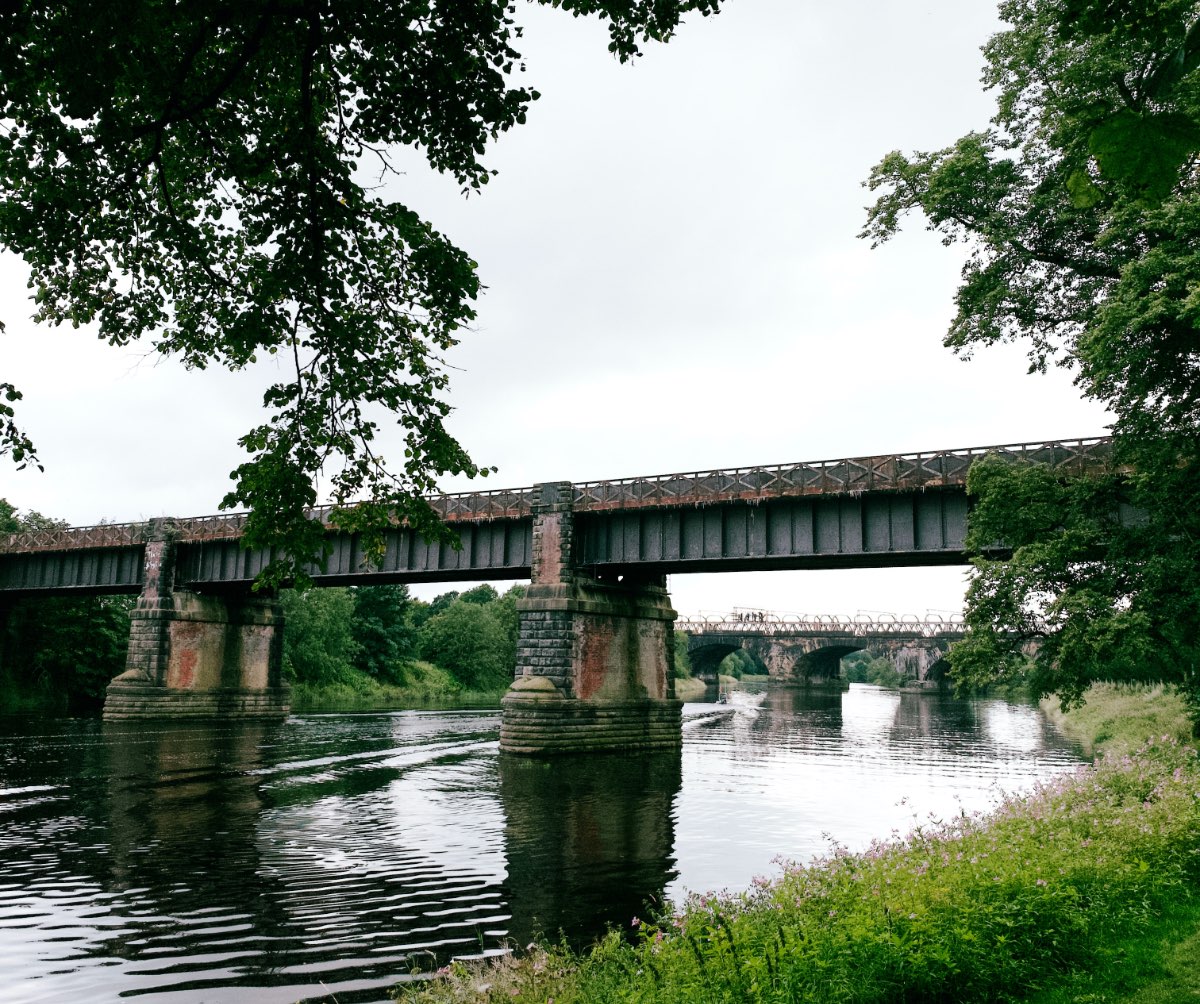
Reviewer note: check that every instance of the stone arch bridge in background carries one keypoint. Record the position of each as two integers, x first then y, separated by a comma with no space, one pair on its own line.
808,650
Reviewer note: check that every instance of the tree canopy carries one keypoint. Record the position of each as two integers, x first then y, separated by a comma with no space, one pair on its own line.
1080,207
204,176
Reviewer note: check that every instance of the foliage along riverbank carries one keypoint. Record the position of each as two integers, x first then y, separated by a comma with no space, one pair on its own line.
1083,890
377,647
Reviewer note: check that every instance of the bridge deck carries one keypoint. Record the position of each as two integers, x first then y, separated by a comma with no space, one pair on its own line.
904,509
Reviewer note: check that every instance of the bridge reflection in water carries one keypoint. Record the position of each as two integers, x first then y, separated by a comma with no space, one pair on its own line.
331,855
589,841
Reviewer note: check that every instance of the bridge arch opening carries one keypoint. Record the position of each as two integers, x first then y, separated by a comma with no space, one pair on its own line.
939,672
706,659
824,663
742,662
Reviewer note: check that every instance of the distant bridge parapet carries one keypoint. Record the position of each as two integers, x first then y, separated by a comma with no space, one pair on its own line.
860,625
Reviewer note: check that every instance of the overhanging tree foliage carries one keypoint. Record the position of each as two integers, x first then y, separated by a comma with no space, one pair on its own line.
201,175
1081,209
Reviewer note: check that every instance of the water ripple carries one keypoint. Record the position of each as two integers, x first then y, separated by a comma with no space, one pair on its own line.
336,854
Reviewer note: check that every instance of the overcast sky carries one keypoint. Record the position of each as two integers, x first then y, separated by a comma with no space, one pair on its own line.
674,283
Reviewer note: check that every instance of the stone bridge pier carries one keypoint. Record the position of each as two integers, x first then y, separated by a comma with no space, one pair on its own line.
594,654
197,655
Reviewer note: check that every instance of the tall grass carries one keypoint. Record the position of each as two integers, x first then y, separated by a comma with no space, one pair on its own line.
1118,717
974,908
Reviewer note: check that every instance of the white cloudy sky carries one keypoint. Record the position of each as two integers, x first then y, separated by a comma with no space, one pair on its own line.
674,283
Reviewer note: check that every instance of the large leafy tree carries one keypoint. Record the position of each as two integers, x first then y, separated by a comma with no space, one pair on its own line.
471,642
203,175
385,637
319,645
1080,206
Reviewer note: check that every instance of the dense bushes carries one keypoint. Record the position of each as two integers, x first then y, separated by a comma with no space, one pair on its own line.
739,663
862,667
471,642
58,652
335,637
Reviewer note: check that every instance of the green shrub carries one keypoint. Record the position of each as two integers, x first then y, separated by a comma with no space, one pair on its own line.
470,641
682,667
421,684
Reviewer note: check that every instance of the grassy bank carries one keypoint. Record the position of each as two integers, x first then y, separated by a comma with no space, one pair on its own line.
1117,718
1046,890
423,685
689,688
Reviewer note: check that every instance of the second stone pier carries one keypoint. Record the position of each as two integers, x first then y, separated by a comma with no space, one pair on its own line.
595,654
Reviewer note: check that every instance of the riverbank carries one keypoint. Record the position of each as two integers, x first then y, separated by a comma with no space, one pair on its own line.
1117,718
1085,890
425,685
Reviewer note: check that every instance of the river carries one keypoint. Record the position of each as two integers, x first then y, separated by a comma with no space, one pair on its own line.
333,854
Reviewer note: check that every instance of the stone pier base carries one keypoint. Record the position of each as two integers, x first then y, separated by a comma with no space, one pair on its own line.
538,719
593,670
126,699
201,656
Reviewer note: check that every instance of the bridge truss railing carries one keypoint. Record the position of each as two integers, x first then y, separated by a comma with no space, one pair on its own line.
504,503
894,472
792,624
898,472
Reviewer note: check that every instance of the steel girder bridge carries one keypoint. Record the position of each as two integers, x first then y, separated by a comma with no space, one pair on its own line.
902,509
594,653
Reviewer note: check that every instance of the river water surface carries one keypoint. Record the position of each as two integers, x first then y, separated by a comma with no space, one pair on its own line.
333,854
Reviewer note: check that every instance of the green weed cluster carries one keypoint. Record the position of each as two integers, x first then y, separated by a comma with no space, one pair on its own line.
973,908
424,684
